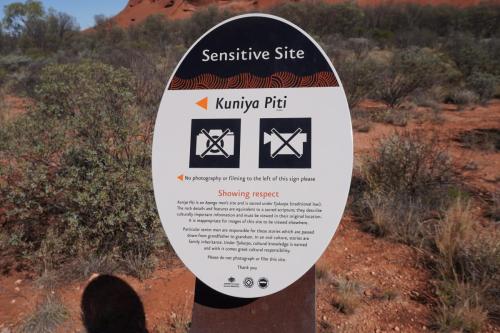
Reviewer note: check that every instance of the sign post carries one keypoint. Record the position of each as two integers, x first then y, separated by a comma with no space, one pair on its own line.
291,310
252,161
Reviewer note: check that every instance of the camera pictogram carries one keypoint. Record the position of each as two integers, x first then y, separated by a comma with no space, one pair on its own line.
215,143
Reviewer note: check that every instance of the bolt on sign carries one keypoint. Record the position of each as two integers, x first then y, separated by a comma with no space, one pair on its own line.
252,155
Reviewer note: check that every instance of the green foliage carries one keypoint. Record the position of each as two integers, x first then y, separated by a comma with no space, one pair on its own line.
483,84
472,55
37,30
359,77
20,16
405,182
345,19
461,97
409,70
78,176
201,21
408,164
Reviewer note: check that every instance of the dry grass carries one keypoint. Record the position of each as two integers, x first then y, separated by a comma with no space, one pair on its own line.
347,295
323,276
85,266
458,309
139,264
386,295
396,116
49,314
467,262
453,232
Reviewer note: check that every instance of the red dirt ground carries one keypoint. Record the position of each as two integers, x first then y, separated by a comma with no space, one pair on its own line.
138,10
12,106
378,265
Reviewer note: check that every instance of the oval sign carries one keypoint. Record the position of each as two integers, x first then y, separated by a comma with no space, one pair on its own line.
252,155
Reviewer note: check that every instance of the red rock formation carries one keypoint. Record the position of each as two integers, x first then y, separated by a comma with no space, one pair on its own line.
138,10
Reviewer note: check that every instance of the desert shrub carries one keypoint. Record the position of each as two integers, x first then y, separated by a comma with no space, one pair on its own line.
361,120
405,221
408,163
13,62
154,33
483,84
149,70
48,315
493,209
406,182
394,116
470,54
78,179
409,70
94,263
487,139
461,97
410,194
361,125
359,77
139,263
345,19
416,37
201,21
481,20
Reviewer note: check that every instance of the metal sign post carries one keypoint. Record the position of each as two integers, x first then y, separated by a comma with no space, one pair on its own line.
291,310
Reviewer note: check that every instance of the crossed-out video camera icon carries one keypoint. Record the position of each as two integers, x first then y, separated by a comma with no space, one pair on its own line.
283,143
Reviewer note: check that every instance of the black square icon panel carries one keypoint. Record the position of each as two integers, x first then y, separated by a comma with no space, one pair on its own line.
215,143
285,143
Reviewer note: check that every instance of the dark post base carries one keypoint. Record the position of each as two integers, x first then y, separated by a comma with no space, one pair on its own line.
292,310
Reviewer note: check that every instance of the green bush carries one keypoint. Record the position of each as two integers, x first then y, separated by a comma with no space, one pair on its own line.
483,84
345,18
409,70
359,77
78,173
407,180
472,55
461,97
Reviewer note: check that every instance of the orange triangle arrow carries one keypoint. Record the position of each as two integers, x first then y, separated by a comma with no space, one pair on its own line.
181,178
203,103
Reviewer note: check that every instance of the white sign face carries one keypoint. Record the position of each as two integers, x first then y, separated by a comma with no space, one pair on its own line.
252,155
